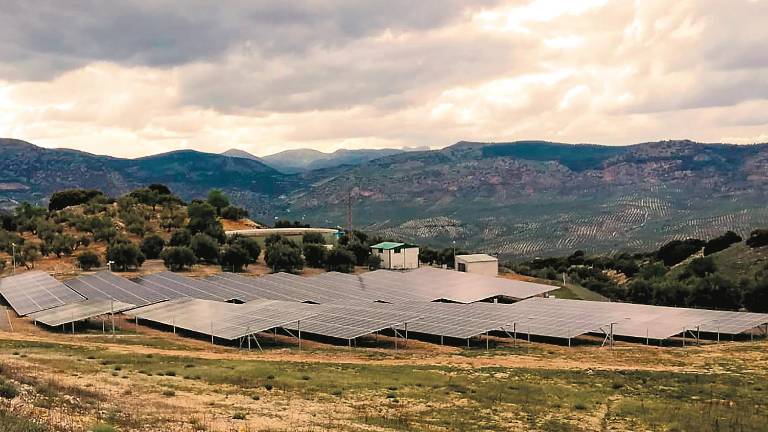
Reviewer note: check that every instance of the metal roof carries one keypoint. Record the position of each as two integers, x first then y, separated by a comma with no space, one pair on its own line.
35,291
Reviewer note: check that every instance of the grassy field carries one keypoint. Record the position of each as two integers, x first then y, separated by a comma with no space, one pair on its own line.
148,380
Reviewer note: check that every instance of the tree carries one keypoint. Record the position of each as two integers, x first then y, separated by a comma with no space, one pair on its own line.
721,243
234,258
250,245
218,199
62,244
161,189
180,237
146,196
205,247
756,296
29,254
125,255
758,238
428,255
360,250
152,246
202,219
313,237
177,258
288,224
702,266
88,260
341,260
234,213
172,217
284,257
374,262
315,255
71,197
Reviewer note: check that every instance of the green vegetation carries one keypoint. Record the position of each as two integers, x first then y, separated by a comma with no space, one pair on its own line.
730,276
152,246
178,258
88,260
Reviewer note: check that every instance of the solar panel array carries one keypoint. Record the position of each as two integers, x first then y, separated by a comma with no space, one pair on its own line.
174,285
349,321
109,286
642,321
35,291
428,283
78,311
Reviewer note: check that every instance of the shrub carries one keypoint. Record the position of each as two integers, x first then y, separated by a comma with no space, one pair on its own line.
177,258
180,237
239,415
315,255
250,245
340,260
70,197
169,393
721,243
218,200
758,238
676,251
312,237
234,213
88,260
152,246
8,390
374,262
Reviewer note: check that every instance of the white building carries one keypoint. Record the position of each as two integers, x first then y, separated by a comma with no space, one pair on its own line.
397,256
478,263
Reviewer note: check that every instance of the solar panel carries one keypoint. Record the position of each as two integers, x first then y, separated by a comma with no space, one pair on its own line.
224,320
35,291
174,285
262,287
74,312
349,321
107,285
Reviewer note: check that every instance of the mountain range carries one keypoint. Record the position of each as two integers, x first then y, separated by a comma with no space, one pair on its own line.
519,199
301,160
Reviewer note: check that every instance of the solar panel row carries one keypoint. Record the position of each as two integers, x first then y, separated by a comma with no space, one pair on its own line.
35,291
109,286
78,311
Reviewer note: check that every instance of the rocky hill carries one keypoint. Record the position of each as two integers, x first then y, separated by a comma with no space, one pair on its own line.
301,160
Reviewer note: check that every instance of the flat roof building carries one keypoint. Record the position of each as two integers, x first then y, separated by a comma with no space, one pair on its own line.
478,263
397,256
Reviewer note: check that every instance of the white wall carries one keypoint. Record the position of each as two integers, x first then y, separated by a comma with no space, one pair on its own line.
488,268
408,258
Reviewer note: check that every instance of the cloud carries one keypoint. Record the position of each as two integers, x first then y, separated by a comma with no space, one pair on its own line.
135,78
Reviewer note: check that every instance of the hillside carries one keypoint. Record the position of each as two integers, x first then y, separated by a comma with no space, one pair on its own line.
32,173
535,198
519,199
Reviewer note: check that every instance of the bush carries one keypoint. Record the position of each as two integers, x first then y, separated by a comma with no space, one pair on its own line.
340,260
702,266
722,242
102,427
234,213
8,390
180,237
677,251
313,237
177,258
315,255
88,260
758,238
234,258
125,256
284,256
152,246
205,247
70,197
250,245
374,262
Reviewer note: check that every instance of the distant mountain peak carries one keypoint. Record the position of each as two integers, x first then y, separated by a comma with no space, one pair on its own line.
234,152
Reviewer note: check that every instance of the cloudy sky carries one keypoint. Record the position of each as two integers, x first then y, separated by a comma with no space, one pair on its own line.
133,78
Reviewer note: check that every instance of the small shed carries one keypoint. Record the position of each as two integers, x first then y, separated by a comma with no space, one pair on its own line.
397,256
478,263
